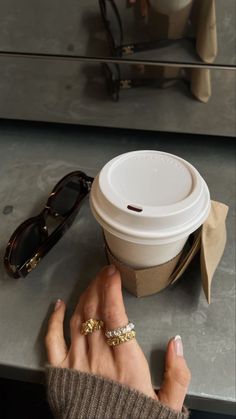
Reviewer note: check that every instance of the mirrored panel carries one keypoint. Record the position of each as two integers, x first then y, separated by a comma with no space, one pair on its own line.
154,98
194,31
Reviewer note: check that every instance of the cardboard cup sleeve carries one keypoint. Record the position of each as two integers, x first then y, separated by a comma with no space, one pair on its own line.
209,240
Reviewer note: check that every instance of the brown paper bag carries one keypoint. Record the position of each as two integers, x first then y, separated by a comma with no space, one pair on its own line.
204,21
213,240
200,80
210,239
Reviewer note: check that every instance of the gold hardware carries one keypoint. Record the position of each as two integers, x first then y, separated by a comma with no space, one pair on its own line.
87,184
13,268
125,84
91,325
128,49
33,262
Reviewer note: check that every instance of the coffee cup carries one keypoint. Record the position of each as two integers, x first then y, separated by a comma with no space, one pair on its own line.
148,203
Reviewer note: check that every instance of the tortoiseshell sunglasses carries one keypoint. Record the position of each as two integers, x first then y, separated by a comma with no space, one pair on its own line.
31,241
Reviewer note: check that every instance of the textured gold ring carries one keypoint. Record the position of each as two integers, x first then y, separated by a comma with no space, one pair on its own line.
118,340
91,326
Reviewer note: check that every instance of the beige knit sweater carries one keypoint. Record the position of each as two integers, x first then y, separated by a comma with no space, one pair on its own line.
78,395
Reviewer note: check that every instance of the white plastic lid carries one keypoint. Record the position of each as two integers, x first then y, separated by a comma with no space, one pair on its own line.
149,197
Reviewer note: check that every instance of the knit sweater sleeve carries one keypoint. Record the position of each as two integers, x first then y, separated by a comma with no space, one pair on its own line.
77,395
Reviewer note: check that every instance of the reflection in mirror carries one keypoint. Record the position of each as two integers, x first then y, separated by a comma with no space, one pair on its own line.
80,31
197,82
140,76
167,23
197,30
78,93
115,34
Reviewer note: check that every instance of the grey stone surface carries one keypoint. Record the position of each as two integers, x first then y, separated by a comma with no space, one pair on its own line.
74,27
33,158
76,93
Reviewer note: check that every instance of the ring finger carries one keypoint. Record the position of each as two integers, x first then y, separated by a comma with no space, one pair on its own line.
91,309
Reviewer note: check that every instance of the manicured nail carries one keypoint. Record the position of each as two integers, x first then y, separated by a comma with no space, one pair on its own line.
178,346
58,304
110,270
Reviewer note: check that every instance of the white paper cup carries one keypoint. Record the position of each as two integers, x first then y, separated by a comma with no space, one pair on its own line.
148,203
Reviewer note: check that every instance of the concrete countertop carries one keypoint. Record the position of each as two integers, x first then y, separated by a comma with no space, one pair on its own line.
33,158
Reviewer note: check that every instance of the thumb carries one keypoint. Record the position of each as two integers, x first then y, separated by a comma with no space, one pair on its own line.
176,377
54,340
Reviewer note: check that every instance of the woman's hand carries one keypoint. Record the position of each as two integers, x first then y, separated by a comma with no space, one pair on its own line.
125,363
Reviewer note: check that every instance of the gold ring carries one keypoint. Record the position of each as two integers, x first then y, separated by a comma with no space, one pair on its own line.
91,326
118,340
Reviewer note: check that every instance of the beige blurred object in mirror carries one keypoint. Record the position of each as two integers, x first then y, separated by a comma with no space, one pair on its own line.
165,25
173,24
168,7
201,84
200,79
168,72
204,21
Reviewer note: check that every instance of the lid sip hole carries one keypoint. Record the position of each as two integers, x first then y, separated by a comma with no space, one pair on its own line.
134,208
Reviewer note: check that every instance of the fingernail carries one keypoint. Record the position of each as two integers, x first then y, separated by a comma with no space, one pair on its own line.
58,304
110,270
178,346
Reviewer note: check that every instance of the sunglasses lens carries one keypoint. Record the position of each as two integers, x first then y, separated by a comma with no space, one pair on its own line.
65,198
27,244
